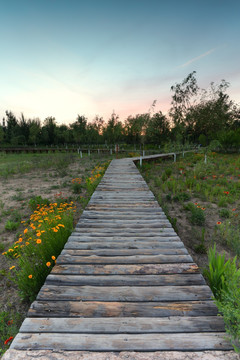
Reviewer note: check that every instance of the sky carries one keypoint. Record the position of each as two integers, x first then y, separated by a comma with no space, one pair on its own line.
62,58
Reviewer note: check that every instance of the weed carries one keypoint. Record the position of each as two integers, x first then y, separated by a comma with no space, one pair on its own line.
224,213
168,172
201,248
18,197
11,225
9,325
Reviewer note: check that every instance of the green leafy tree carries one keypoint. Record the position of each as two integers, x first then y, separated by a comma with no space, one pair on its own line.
158,129
79,128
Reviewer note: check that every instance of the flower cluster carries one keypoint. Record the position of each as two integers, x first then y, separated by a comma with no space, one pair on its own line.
77,181
37,248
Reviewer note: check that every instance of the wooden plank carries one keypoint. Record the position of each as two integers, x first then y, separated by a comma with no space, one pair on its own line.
126,232
107,226
75,244
124,252
125,280
89,238
130,325
125,293
163,236
147,269
137,259
114,309
119,342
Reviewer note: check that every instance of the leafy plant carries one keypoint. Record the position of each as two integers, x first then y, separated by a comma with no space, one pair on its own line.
11,225
216,272
9,326
37,201
224,213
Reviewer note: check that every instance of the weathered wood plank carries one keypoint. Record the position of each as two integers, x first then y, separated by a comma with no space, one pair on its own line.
147,269
125,252
166,238
119,342
75,244
137,259
123,325
126,280
125,293
114,309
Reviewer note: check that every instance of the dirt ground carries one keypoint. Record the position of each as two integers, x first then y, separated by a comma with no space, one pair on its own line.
15,193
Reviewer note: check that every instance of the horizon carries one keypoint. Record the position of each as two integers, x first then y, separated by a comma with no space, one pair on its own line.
64,59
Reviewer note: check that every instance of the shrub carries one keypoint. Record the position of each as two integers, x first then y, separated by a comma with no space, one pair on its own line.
197,214
36,201
224,213
11,225
224,280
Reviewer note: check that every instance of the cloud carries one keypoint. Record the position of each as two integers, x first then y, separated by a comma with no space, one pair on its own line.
197,58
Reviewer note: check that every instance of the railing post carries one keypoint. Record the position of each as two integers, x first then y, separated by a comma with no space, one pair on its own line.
141,161
174,157
81,154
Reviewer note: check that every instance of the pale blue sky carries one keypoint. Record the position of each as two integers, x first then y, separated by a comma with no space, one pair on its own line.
67,57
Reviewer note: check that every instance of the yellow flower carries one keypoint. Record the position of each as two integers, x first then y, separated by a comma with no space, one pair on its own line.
39,241
10,250
53,257
12,267
27,243
20,239
25,231
30,276
48,264
61,225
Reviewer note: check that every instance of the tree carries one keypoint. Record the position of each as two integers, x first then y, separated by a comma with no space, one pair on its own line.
158,129
113,131
34,131
11,127
48,130
79,128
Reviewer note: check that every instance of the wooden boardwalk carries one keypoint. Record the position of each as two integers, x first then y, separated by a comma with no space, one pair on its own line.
124,281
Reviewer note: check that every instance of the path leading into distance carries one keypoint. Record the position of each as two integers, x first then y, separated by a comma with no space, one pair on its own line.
123,283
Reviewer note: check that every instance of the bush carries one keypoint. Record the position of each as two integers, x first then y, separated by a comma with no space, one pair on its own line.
224,213
37,201
197,214
224,280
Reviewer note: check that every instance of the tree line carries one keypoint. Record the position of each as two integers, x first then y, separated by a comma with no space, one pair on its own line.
196,116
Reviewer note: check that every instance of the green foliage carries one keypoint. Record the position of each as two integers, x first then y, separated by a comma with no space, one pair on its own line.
201,248
35,252
229,233
37,201
224,280
168,172
77,188
9,326
11,225
197,214
224,213
216,272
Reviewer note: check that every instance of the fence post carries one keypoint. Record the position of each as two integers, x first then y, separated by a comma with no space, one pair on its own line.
88,152
81,153
141,161
174,157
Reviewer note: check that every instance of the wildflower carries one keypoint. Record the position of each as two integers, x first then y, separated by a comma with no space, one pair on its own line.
20,239
7,341
27,243
61,225
10,250
196,203
53,257
218,222
39,241
30,276
12,267
226,192
203,208
25,231
234,209
48,264
10,322
38,234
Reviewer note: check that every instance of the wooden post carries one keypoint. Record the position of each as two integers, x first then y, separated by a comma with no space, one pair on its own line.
81,154
174,157
143,153
110,151
141,161
88,152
